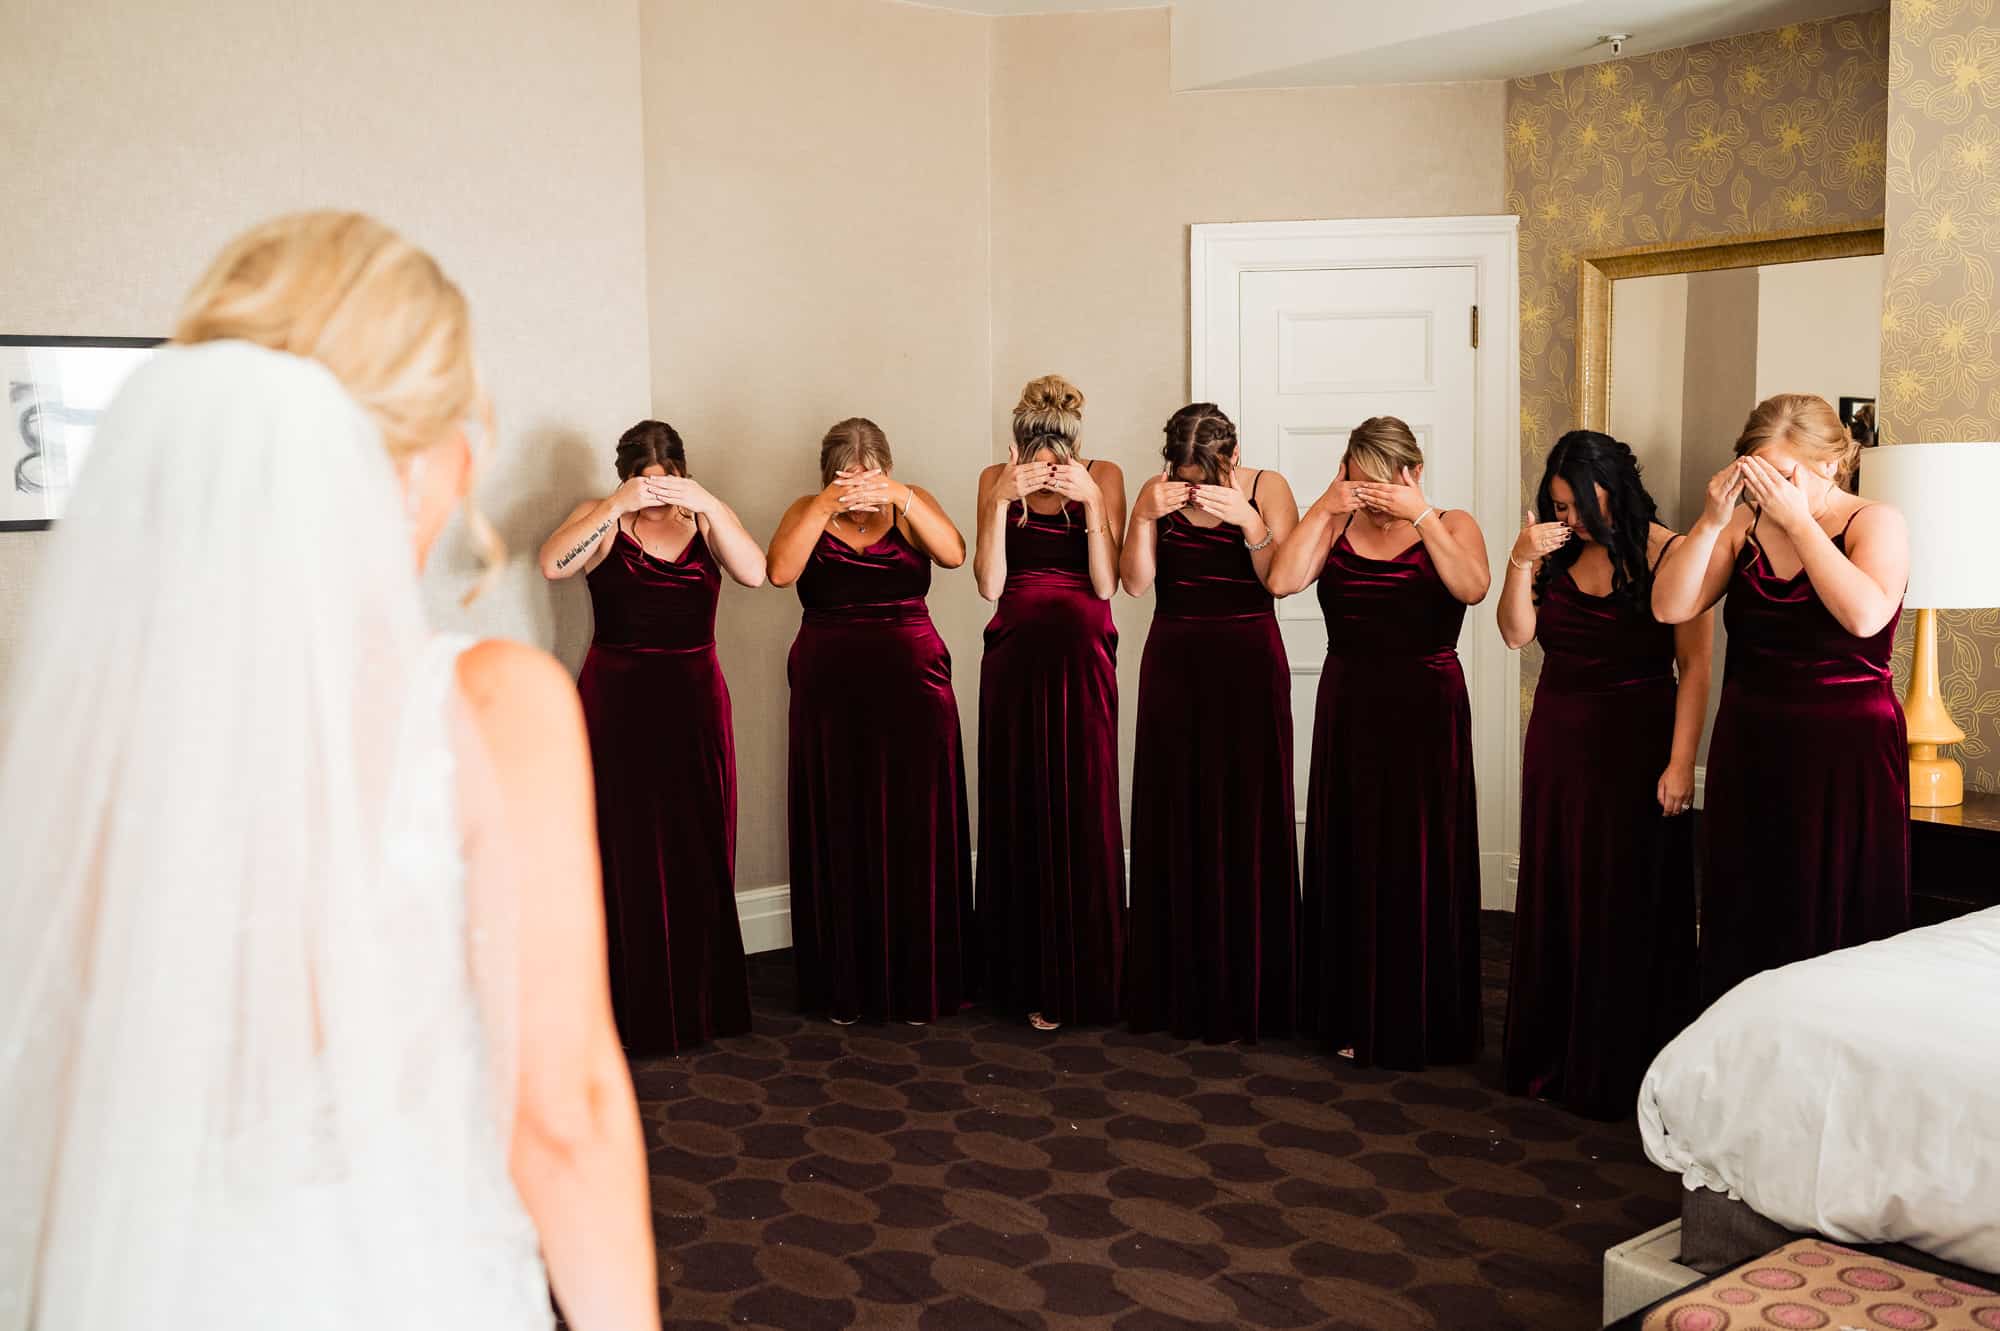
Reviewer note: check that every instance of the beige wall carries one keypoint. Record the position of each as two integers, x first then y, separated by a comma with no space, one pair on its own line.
818,248
1819,328
1098,171
816,208
1940,352
1648,356
1720,376
505,137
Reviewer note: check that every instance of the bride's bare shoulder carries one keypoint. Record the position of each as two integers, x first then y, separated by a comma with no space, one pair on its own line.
520,698
496,670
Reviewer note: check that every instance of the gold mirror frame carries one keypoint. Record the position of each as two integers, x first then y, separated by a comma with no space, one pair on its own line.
1596,272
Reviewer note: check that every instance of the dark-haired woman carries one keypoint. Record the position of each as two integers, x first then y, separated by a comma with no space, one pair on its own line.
1808,804
1604,918
881,851
1392,822
1051,894
653,553
1211,948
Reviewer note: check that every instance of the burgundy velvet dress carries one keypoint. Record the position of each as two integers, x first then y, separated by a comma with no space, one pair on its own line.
1807,807
1603,966
1391,933
657,711
1211,949
1051,853
881,871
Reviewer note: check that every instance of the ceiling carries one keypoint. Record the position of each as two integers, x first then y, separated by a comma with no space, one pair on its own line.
1017,8
1313,43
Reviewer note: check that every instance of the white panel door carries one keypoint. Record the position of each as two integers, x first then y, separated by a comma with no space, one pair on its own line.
1323,350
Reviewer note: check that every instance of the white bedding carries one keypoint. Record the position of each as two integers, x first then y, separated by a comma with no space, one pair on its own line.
1856,1095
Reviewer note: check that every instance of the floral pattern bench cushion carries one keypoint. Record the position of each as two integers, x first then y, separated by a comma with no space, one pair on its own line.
1811,1284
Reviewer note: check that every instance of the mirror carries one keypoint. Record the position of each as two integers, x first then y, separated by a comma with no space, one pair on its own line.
1691,353
1730,287
1676,343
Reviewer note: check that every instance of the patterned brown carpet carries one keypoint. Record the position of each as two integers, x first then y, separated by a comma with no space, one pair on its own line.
977,1174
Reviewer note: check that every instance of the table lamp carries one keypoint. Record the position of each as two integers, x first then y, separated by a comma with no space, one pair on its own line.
1947,494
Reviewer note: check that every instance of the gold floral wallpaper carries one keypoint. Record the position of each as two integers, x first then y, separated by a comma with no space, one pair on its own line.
1940,326
1770,131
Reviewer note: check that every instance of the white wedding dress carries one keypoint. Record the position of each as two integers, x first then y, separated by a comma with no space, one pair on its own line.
256,1032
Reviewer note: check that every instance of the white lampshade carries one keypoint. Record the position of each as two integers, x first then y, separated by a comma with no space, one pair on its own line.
1950,497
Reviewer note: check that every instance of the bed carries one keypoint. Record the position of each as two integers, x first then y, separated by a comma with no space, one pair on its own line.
1855,1096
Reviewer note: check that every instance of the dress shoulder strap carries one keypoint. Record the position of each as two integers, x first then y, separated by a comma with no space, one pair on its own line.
1665,546
1841,534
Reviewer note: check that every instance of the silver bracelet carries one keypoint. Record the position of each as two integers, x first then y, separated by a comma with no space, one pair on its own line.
1269,536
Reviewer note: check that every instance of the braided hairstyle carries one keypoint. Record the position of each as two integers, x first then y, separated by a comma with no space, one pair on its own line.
1199,435
1586,459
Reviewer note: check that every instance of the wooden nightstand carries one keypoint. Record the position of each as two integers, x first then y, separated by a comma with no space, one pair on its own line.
1955,859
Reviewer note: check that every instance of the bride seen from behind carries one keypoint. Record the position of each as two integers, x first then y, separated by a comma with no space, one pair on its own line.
304,1017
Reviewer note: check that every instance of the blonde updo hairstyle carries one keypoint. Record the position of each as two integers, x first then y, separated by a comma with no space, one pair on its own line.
855,444
344,290
1809,424
1379,448
1049,416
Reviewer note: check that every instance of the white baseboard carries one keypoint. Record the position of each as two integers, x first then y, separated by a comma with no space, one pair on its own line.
766,917
1499,871
765,913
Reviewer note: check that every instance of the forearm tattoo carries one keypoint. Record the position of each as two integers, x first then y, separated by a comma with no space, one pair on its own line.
585,543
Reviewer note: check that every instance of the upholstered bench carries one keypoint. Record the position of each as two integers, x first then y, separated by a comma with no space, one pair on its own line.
1811,1284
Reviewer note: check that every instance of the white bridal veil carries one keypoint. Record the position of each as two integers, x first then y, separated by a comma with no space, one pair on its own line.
248,1072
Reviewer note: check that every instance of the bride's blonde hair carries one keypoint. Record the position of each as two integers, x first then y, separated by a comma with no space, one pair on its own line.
344,290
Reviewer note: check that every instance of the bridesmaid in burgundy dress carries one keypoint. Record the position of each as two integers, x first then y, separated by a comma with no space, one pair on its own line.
1604,919
1212,942
1051,854
1392,825
1808,800
881,870
657,710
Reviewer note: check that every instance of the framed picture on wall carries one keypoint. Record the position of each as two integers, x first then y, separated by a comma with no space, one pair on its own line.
1858,415
56,389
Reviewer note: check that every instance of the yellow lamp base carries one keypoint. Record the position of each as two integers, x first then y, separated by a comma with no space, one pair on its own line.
1935,783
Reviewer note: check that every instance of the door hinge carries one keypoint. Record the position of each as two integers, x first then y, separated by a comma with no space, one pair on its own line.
1475,327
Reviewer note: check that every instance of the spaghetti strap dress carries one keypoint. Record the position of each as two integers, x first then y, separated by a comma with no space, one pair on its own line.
1807,806
1213,930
